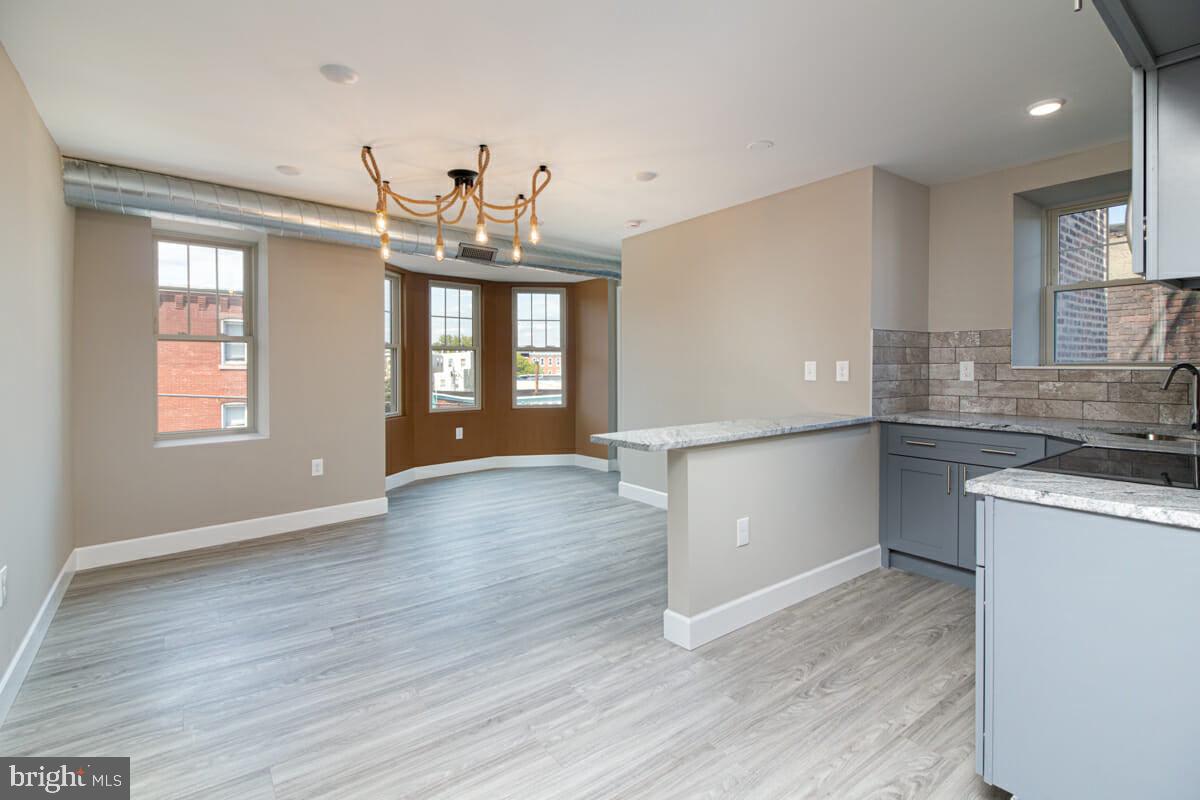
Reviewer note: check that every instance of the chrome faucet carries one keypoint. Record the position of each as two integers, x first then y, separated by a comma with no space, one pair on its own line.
1195,398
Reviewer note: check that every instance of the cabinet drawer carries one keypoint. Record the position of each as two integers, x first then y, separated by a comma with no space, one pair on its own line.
985,448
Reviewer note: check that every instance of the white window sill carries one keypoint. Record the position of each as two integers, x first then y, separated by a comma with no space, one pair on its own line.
215,439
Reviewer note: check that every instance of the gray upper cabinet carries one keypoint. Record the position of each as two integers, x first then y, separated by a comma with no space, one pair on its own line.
1161,41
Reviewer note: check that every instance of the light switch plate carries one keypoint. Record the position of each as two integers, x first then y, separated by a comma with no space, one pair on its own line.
966,370
810,370
458,433
743,532
318,467
843,371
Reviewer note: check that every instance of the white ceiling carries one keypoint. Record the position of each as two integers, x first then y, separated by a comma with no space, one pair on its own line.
225,90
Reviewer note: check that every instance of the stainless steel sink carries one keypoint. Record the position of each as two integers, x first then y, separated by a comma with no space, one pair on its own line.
1154,437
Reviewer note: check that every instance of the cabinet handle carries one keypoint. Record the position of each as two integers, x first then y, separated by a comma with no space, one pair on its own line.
964,480
949,474
919,443
996,452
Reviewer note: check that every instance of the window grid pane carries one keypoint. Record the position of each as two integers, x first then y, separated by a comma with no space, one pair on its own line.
204,352
539,361
453,355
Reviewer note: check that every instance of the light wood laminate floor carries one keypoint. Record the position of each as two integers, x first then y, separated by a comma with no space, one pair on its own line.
497,635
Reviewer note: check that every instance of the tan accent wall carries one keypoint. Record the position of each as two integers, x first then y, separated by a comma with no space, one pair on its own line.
719,313
324,359
36,230
420,437
971,236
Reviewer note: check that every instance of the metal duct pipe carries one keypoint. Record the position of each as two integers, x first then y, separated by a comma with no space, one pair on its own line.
88,184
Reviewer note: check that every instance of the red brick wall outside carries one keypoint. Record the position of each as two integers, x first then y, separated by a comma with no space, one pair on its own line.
1137,323
194,368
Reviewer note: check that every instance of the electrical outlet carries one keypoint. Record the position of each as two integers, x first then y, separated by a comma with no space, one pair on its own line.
458,433
318,467
3,585
843,371
743,532
966,370
810,370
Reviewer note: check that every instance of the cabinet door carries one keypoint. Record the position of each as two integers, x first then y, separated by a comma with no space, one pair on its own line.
923,507
966,514
1175,237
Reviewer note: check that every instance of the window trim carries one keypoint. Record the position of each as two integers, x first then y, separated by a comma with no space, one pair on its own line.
395,281
249,301
477,348
561,350
1051,288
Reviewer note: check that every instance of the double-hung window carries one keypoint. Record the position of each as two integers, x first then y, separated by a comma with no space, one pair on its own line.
1096,309
392,403
539,358
454,347
204,327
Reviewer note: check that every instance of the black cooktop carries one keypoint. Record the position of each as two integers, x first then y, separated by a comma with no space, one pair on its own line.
1138,466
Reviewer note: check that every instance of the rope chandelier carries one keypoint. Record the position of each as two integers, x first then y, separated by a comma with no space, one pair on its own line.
468,190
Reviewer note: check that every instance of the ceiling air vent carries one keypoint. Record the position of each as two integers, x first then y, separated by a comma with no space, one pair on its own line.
474,252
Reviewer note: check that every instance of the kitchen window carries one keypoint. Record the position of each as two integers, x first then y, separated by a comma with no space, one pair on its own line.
539,363
204,331
1096,310
392,369
454,347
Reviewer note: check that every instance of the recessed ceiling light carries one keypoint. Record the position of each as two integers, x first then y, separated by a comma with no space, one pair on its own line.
1046,107
634,223
287,169
760,144
339,73
645,176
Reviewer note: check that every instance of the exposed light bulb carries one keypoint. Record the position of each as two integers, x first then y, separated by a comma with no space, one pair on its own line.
481,234
439,252
516,254
381,222
535,235
385,252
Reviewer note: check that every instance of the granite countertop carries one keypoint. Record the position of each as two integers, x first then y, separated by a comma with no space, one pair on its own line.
1161,504
678,437
1090,432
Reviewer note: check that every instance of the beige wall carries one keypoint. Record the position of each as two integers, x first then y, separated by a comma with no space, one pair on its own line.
719,313
811,500
899,253
971,236
35,271
324,319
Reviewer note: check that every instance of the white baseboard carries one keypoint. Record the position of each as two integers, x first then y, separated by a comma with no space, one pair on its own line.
18,668
164,544
643,494
691,632
406,477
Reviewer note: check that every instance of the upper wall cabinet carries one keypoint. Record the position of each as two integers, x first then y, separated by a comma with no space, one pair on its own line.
1161,41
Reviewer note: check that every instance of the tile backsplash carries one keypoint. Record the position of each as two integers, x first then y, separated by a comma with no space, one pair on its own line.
915,371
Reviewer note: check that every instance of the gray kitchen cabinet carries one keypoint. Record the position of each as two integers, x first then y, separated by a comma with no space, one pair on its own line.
926,518
1161,41
966,513
1086,653
923,507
